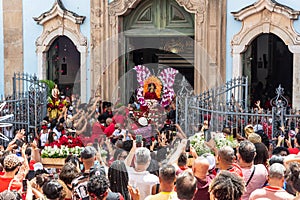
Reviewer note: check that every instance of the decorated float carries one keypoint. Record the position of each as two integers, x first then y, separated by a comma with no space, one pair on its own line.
154,93
54,154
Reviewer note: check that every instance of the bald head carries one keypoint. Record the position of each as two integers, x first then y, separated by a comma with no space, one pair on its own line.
200,167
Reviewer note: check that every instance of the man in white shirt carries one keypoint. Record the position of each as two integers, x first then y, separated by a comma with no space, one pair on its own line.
138,175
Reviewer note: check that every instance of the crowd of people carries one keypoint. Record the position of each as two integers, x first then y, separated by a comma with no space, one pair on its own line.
147,158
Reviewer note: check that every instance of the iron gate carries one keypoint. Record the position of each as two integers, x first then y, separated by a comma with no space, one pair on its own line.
228,106
27,103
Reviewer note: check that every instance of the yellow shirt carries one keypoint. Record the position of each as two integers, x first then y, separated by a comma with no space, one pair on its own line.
162,196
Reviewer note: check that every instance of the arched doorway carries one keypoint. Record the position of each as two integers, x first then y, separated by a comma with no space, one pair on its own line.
159,33
64,65
268,62
58,22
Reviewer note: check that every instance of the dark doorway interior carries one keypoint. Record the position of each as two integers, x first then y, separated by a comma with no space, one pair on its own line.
64,65
177,56
268,63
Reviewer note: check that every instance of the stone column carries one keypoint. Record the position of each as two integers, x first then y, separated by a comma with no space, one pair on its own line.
296,81
295,49
83,74
13,41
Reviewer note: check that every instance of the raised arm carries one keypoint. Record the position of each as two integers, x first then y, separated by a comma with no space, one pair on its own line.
130,156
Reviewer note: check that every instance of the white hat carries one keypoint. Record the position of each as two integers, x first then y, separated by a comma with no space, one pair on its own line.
143,121
38,166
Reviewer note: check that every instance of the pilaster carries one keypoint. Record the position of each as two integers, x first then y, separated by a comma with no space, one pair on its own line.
13,41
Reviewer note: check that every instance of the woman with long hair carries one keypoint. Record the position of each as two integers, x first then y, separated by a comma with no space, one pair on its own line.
118,178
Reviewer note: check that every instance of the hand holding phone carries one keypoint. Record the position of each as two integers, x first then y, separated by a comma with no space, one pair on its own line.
139,140
188,146
24,185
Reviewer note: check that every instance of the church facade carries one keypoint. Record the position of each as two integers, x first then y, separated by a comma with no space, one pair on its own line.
87,47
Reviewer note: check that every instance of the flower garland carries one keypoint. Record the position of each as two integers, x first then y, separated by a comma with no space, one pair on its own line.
198,143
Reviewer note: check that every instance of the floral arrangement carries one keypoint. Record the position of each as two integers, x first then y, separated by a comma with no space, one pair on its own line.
57,104
222,141
68,141
198,142
62,152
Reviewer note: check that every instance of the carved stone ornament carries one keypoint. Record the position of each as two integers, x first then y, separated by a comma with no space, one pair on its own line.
60,21
120,7
58,9
193,6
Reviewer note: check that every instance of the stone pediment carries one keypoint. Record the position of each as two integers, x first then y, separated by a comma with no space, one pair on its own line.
58,9
265,16
269,5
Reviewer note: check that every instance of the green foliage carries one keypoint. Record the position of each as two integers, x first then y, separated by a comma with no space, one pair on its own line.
50,84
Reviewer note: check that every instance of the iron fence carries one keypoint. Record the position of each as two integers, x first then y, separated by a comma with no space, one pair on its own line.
27,103
228,106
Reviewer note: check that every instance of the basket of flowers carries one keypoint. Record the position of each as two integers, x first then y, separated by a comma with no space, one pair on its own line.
56,155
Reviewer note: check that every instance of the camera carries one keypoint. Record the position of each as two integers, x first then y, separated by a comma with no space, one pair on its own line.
169,127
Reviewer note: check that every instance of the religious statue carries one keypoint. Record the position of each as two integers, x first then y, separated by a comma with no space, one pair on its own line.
155,89
55,92
150,92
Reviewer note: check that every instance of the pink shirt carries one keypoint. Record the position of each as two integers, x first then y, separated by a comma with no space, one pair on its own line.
257,181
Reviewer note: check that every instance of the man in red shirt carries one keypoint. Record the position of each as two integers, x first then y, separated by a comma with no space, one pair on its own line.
296,143
226,159
11,166
110,127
